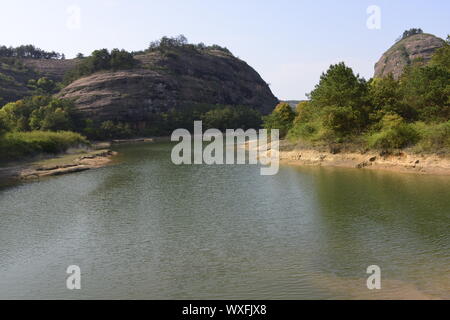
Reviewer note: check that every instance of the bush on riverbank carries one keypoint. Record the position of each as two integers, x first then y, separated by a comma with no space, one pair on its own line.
394,134
434,137
16,145
382,113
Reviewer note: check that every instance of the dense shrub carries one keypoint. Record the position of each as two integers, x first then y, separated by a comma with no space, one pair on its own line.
44,86
387,97
433,137
39,113
14,145
395,133
441,57
101,60
426,90
281,118
341,120
232,118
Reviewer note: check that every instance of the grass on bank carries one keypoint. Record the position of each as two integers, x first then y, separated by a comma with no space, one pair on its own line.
17,145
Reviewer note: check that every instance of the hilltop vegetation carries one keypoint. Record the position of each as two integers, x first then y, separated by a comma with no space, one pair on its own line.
101,60
409,33
413,47
29,52
382,113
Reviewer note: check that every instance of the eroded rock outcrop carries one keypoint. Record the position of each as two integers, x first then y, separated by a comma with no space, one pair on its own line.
403,53
163,81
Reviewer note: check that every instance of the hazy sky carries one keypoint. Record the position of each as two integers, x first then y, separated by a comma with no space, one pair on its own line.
289,42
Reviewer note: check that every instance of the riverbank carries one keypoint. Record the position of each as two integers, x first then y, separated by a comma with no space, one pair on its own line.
401,161
72,162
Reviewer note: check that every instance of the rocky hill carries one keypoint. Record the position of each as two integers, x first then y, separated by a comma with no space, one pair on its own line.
51,68
14,77
403,53
16,72
177,79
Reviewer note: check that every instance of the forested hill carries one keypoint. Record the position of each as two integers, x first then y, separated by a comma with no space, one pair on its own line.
120,94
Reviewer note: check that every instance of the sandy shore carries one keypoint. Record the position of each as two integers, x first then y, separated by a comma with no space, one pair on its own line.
400,162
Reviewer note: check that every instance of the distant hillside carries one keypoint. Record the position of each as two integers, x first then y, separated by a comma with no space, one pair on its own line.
14,76
173,78
16,72
168,76
51,68
417,47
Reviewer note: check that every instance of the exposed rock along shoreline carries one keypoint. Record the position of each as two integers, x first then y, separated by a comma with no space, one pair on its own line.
83,163
69,162
63,164
300,156
400,162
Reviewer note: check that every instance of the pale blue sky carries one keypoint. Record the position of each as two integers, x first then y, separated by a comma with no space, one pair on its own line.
289,42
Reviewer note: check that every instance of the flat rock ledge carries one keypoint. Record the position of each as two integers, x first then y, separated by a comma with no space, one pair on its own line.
83,163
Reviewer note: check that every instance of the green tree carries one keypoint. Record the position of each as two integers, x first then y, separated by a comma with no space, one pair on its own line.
387,97
426,89
38,113
341,121
100,60
43,86
3,126
441,58
238,117
395,133
121,59
110,130
338,88
282,118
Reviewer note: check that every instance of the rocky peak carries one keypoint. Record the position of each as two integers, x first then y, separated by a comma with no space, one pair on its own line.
404,52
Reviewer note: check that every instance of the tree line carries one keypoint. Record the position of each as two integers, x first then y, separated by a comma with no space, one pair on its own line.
168,43
29,52
409,33
101,60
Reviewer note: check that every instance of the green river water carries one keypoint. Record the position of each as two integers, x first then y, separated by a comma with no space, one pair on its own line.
144,228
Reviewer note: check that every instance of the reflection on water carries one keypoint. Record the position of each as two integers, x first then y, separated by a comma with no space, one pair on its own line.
147,229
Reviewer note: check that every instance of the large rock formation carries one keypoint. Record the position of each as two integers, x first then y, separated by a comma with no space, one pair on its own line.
51,68
162,81
403,53
15,74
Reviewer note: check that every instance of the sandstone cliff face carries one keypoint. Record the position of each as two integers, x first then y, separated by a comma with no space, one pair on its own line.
15,74
50,68
180,79
403,53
